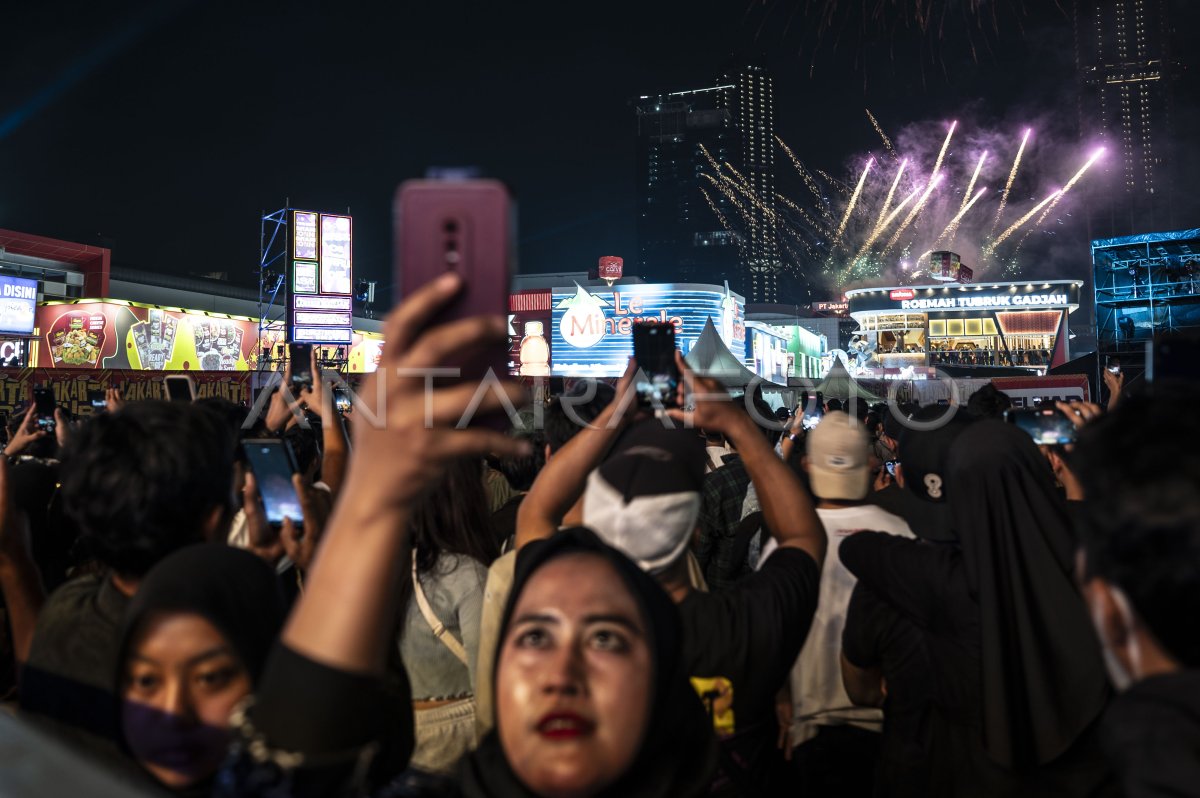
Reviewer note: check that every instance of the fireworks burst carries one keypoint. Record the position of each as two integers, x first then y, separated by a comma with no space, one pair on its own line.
887,143
1012,175
868,228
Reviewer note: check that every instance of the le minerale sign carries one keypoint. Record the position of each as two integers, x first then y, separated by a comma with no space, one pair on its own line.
985,302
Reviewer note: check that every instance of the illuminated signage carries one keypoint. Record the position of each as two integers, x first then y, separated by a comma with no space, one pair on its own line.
322,303
319,318
901,293
305,235
323,335
831,307
769,357
591,330
322,277
304,279
992,301
335,254
18,304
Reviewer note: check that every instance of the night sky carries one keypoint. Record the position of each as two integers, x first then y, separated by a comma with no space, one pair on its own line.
162,129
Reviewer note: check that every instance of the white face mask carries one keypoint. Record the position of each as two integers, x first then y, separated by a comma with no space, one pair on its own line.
1121,678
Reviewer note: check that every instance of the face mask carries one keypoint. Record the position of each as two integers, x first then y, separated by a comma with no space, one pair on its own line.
1117,673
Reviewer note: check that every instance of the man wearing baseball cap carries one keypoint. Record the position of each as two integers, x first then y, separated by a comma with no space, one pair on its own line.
834,742
643,498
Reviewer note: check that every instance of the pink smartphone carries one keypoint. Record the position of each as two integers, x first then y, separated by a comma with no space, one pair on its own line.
464,226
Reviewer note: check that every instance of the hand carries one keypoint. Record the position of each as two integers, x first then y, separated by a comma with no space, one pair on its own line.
282,410
263,539
405,445
300,542
783,716
317,397
113,401
62,427
882,480
713,407
14,525
1080,413
1115,382
26,434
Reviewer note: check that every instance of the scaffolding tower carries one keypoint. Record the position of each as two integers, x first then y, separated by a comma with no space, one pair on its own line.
272,289
1146,285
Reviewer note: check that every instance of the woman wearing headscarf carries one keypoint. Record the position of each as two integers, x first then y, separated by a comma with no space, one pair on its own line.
193,644
591,695
1018,676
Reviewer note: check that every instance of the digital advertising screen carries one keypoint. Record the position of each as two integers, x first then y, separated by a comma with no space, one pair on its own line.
322,278
591,329
335,254
18,304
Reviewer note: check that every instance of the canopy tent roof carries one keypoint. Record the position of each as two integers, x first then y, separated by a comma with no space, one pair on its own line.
838,384
710,357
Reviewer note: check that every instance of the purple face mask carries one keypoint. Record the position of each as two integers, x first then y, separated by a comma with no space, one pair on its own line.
192,750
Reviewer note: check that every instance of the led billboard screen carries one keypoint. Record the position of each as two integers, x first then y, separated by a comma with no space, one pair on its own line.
591,329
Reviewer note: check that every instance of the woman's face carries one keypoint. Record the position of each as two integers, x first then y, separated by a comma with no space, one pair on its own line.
574,680
182,681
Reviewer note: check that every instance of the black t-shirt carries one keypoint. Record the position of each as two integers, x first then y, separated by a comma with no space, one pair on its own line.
877,636
740,645
1152,734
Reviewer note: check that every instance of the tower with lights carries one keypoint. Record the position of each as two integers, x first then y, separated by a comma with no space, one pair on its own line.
1127,77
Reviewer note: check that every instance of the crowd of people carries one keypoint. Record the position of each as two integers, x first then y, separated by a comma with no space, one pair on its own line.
711,599
988,357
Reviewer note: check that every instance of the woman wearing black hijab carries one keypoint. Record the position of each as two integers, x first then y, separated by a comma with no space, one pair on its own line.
193,644
1018,677
591,696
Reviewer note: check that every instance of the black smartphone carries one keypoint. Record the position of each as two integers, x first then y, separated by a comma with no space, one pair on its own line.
890,465
97,401
300,356
1114,366
43,404
658,374
1047,426
341,400
273,464
180,388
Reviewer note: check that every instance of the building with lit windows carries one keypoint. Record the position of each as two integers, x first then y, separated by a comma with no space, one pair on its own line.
680,239
680,236
1127,79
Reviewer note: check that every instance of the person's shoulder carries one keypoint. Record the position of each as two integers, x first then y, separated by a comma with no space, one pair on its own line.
453,568
71,596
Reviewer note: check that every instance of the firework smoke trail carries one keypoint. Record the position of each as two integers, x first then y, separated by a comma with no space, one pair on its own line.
1017,224
816,225
883,226
833,181
853,201
971,185
935,177
952,227
711,160
729,195
879,129
1050,208
808,179
738,175
912,214
1012,175
888,200
937,165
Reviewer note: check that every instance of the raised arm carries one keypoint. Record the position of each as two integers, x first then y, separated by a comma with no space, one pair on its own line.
20,581
343,619
563,478
787,507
